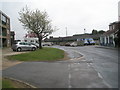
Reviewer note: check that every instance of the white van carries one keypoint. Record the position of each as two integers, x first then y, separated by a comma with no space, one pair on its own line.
89,41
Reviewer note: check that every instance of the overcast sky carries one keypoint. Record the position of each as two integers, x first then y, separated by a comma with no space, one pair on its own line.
73,14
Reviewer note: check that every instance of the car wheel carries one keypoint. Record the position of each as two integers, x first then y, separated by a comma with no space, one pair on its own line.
14,50
33,49
19,49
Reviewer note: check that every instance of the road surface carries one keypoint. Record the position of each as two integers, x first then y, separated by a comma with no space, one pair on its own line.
89,67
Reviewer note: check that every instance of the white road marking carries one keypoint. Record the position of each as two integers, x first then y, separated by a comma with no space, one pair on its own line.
88,64
69,86
76,69
69,76
91,64
100,75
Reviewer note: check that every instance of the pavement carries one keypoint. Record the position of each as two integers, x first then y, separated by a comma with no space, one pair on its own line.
89,67
106,47
5,63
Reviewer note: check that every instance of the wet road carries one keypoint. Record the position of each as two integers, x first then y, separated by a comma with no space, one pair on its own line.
95,68
104,61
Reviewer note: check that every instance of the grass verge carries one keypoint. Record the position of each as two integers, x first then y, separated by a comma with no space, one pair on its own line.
7,84
45,54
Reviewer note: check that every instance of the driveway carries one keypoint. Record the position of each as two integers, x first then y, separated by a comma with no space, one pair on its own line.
88,70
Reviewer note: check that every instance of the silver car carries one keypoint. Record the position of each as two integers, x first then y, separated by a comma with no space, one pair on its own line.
36,44
21,46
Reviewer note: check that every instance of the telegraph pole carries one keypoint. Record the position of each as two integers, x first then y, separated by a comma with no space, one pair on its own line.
66,31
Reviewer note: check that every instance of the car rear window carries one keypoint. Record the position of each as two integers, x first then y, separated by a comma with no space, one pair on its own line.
15,43
21,43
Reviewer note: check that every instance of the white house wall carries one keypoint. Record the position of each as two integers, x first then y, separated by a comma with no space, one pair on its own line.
113,39
34,40
107,40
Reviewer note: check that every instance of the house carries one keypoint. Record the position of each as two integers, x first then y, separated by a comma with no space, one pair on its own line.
5,40
108,38
31,37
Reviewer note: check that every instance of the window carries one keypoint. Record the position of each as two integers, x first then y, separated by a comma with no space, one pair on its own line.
110,27
4,18
0,19
114,26
0,30
8,32
22,43
27,44
8,21
36,41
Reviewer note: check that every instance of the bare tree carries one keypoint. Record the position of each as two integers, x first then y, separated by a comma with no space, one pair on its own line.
37,22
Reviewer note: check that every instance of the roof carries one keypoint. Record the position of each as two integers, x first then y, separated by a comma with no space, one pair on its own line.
109,32
4,14
117,22
74,37
31,35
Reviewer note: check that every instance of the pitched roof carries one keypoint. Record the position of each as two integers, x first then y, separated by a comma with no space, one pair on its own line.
109,32
117,25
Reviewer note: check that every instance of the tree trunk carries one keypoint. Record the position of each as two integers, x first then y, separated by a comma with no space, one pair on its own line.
40,42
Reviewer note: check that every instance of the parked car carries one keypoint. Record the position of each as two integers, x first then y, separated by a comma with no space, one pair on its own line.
36,44
67,44
74,44
46,44
21,46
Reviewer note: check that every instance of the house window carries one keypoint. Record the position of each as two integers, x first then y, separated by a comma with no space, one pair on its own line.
113,26
110,27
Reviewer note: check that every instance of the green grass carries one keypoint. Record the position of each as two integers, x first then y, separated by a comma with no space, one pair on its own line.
7,84
45,54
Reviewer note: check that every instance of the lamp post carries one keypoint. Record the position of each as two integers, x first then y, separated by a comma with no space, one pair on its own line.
84,30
